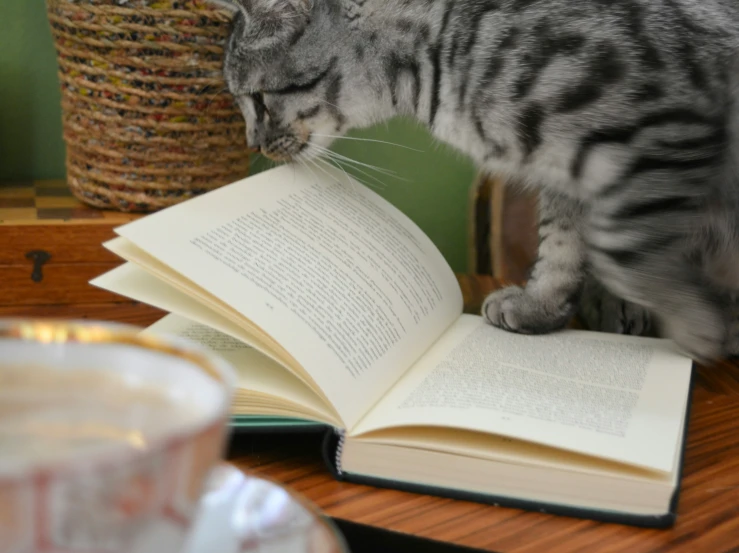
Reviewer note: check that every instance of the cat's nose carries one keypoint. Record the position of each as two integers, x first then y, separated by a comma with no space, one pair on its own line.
253,145
254,142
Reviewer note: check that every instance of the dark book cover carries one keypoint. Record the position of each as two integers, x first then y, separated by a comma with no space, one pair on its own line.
331,443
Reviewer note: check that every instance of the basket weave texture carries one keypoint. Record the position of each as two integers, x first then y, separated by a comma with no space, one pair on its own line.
147,119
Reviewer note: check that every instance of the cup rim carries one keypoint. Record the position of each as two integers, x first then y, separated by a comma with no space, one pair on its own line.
55,331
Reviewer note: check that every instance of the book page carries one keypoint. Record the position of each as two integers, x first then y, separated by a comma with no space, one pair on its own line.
257,375
615,397
347,284
494,447
135,283
158,285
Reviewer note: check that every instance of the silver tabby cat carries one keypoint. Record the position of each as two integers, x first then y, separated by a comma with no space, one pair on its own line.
622,113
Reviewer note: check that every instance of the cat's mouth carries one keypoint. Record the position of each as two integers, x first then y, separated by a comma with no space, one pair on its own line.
282,156
285,148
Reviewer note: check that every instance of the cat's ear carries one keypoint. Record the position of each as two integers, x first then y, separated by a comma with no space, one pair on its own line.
276,7
232,6
273,22
279,6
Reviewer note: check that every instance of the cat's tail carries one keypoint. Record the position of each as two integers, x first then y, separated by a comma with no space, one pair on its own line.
732,118
717,243
720,247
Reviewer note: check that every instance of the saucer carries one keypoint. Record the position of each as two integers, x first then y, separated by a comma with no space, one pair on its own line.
246,514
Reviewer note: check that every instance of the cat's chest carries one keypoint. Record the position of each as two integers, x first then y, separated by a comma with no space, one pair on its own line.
504,152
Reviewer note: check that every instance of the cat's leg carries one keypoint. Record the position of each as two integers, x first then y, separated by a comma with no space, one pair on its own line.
602,311
637,248
732,342
719,258
550,297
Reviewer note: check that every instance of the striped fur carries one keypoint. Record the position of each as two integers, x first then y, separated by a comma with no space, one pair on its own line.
621,112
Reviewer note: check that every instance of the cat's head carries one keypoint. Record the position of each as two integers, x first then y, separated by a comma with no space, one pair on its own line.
292,67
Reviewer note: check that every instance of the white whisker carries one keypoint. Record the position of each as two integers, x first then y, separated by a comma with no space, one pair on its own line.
349,181
367,140
314,162
314,151
381,170
329,103
317,157
337,163
335,155
305,164
369,176
379,187
360,170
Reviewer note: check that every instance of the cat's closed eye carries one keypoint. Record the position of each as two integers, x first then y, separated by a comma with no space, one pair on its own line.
259,106
258,97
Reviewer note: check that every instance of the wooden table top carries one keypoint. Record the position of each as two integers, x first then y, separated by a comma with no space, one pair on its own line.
50,202
708,513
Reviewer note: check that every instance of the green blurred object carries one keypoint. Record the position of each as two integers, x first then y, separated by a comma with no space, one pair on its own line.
31,145
433,192
246,423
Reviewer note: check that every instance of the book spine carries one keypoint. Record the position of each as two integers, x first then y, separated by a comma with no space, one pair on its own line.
339,450
331,451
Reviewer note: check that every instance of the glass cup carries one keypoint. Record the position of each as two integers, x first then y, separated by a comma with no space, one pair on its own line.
111,440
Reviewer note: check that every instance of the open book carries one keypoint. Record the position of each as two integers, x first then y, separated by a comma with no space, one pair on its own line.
335,307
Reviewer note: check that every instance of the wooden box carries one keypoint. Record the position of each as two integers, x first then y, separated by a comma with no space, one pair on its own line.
503,229
50,248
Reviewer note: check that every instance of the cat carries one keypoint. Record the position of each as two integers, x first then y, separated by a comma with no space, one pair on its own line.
621,114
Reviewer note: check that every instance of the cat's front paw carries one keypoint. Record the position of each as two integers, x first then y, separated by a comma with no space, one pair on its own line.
515,310
601,311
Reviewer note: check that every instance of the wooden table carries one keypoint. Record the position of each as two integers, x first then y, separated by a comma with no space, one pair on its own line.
708,511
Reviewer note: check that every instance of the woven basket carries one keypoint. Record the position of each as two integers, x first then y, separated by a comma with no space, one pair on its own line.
147,120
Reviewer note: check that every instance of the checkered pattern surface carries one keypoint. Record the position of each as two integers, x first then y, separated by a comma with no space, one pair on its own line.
50,201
